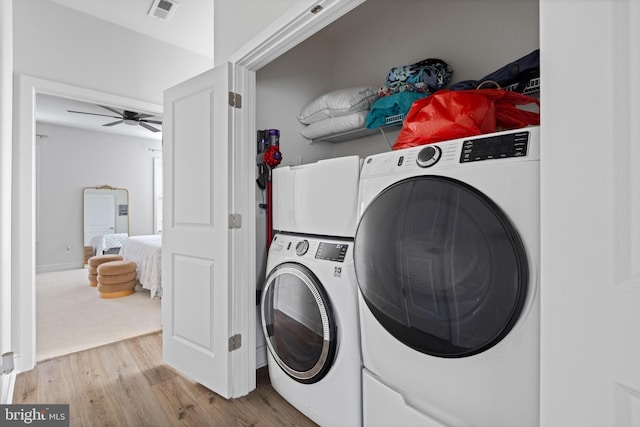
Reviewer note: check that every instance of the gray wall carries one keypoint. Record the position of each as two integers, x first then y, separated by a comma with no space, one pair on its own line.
70,159
474,37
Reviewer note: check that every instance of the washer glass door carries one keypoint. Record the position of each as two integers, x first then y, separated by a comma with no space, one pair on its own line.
298,322
440,266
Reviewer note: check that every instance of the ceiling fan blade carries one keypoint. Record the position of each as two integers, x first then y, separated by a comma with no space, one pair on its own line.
113,123
146,126
112,110
93,114
144,115
157,122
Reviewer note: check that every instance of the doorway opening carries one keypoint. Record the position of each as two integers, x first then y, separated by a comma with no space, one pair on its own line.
27,188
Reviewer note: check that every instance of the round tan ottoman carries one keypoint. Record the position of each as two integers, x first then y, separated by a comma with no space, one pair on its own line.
88,253
116,279
93,279
94,262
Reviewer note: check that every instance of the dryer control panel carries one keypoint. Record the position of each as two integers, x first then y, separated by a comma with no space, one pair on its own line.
495,147
514,145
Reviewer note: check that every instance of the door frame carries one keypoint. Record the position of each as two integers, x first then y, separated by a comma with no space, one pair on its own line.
297,24
6,114
24,202
294,26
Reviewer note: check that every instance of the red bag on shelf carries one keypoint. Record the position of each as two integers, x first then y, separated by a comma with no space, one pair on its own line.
449,115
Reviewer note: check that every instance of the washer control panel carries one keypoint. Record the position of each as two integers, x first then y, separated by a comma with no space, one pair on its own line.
332,251
311,247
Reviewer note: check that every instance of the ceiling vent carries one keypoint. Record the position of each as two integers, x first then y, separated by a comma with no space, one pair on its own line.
163,9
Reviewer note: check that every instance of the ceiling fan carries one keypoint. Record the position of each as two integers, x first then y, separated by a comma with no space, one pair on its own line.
127,117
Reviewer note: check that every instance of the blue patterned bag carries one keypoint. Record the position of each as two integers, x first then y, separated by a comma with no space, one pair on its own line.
426,76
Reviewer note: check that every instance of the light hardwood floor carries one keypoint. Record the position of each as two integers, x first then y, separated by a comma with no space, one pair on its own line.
126,384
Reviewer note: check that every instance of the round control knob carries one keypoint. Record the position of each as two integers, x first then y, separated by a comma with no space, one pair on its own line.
302,247
428,156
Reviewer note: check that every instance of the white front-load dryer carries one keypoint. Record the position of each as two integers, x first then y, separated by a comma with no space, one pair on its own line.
317,198
309,317
447,260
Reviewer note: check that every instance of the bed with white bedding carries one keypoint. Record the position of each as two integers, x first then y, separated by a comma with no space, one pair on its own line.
102,244
146,252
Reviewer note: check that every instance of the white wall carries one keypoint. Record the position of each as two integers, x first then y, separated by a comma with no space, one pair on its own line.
60,44
71,159
6,65
238,21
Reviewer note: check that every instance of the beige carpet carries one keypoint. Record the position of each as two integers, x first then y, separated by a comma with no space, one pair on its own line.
70,316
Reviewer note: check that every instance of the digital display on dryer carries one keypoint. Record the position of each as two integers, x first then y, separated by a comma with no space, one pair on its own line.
495,147
332,251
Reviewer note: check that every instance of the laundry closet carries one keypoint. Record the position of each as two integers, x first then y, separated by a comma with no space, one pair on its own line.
473,37
295,59
216,226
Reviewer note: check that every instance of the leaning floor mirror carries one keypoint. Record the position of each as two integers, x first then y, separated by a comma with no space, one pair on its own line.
105,219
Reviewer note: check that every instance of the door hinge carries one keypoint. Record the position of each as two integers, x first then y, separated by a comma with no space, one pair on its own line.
6,365
235,221
235,100
235,342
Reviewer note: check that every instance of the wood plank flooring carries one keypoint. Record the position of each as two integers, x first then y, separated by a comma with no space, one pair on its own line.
126,384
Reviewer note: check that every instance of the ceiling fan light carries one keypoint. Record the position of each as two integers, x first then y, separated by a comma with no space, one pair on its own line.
130,122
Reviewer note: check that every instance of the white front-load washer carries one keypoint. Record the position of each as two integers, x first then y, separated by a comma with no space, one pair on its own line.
309,317
447,259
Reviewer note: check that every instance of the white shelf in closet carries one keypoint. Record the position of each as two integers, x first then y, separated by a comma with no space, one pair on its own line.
392,122
395,122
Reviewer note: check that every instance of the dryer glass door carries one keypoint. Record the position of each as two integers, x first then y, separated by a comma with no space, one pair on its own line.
298,322
440,266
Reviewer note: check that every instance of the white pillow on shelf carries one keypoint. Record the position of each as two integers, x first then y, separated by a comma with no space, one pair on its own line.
338,103
335,125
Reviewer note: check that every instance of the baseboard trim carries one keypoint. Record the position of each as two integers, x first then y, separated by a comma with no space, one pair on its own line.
58,267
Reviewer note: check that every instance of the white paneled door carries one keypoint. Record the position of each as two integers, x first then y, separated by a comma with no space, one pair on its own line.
590,289
197,301
99,216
